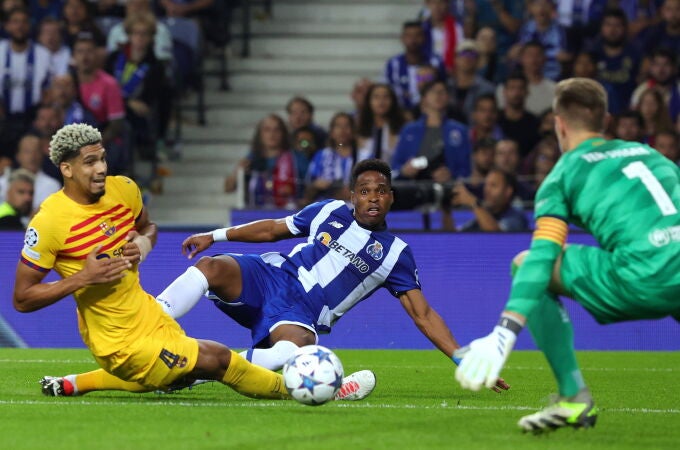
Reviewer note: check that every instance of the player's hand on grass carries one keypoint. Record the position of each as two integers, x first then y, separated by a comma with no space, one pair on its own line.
483,359
103,270
196,243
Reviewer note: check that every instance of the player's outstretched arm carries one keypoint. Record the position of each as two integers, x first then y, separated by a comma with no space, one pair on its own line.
431,324
30,294
269,230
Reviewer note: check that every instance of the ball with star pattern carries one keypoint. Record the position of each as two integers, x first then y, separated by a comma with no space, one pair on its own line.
313,375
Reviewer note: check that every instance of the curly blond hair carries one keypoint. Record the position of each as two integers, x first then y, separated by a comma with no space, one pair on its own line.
67,142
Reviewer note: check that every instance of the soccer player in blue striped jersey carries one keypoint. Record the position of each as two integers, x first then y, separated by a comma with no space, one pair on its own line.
287,300
627,196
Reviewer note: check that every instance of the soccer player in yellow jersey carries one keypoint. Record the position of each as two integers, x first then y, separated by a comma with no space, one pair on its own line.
94,233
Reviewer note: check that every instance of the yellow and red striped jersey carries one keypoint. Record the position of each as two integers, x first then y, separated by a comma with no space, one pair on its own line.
60,237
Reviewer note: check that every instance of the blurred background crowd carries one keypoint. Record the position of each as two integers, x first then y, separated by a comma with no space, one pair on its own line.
462,114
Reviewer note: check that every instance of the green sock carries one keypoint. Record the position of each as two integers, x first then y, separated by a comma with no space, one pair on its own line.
553,334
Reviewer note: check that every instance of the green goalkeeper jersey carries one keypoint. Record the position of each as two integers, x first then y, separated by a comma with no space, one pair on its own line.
627,196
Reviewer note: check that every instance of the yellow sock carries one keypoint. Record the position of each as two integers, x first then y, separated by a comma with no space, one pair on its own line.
253,381
101,380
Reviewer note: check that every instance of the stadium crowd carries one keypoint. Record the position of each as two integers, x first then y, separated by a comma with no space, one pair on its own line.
466,106
111,64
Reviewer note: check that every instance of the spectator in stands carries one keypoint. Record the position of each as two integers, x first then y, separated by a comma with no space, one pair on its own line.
494,211
185,8
629,126
48,119
507,156
18,201
543,27
24,71
654,113
668,144
358,96
482,162
269,170
101,95
433,147
504,16
541,89
301,114
64,95
485,120
487,63
78,18
617,60
465,85
50,37
516,122
585,65
118,37
141,77
662,75
380,122
442,33
543,160
547,126
31,157
331,168
406,71
304,149
667,33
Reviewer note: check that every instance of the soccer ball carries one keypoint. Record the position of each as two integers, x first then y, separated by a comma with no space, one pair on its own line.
313,375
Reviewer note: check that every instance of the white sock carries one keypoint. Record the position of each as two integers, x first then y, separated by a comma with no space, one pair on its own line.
183,293
271,358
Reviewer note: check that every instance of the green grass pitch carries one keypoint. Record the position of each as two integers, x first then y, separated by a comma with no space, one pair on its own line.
416,405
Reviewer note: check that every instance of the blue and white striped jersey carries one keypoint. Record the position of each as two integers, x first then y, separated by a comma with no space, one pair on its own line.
342,263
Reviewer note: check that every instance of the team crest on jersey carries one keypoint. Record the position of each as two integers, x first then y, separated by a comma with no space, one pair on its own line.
375,250
324,238
107,228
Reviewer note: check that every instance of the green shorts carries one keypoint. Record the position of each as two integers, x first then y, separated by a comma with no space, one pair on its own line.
590,276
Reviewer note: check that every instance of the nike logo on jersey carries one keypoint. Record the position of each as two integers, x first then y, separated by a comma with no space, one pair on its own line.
335,224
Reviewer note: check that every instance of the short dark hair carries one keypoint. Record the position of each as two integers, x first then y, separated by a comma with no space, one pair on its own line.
665,52
631,114
488,96
17,10
517,75
427,87
509,178
366,165
411,24
300,99
616,13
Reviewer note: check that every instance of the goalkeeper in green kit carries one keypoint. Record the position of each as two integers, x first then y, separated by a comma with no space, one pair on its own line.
627,196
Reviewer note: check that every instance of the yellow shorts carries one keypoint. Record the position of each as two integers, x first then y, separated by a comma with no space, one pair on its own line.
157,360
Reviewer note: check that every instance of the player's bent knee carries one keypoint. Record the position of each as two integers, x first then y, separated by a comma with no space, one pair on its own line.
213,268
213,360
517,261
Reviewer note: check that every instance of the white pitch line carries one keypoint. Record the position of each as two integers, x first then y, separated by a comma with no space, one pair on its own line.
269,404
428,367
